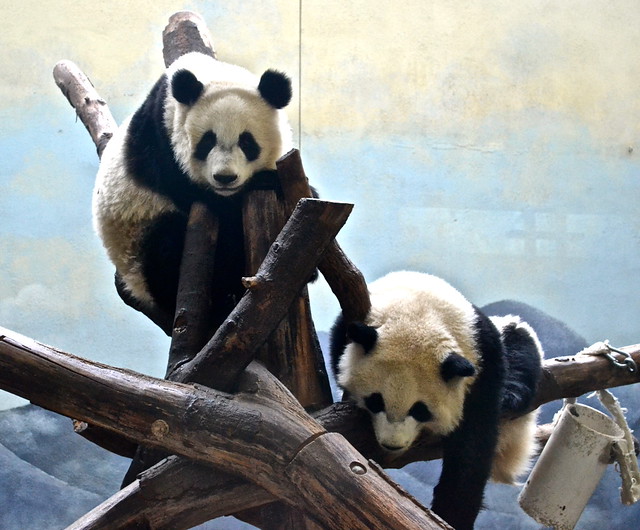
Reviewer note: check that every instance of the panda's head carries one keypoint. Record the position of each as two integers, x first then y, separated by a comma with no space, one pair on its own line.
409,379
224,123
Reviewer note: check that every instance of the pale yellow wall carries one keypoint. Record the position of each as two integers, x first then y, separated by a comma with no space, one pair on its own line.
446,66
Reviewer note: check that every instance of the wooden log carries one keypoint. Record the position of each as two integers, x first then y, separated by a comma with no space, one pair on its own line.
15,377
176,494
89,106
564,377
572,376
278,281
344,278
192,326
292,352
186,32
261,433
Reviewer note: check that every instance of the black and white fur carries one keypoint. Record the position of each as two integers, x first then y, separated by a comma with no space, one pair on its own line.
203,132
426,359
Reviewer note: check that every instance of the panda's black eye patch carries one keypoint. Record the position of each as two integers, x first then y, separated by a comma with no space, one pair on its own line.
205,145
249,146
374,402
420,412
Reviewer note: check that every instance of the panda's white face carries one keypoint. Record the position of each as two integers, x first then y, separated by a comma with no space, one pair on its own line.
224,123
413,362
229,137
404,396
397,422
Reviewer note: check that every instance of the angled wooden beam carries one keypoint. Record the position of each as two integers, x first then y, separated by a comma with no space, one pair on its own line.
261,433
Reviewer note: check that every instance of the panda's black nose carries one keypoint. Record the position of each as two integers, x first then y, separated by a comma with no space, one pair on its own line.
225,179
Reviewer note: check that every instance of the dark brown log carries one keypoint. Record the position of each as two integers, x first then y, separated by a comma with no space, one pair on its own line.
569,377
344,278
192,327
15,377
89,106
261,433
278,281
192,324
112,441
292,352
564,377
174,495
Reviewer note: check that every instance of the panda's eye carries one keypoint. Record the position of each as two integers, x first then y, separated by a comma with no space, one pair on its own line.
420,412
374,403
205,145
249,146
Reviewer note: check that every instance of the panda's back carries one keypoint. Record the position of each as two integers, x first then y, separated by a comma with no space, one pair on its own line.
418,296
419,308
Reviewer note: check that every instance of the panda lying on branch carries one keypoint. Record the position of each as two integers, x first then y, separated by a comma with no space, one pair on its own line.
427,359
207,131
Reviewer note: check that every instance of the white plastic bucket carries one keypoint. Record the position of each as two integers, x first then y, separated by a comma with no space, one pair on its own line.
570,466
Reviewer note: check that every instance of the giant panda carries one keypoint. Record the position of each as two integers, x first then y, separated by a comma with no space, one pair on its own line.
206,131
426,359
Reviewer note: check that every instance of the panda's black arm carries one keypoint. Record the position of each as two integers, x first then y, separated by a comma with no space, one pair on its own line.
468,452
466,466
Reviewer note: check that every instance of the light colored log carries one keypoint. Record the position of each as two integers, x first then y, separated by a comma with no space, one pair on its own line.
89,106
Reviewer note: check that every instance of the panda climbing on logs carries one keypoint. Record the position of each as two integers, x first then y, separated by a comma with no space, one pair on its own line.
207,131
426,359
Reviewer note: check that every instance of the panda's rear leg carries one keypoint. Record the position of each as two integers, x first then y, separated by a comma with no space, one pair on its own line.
160,254
523,354
160,318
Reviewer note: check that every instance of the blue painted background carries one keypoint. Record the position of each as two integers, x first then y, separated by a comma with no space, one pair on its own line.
493,143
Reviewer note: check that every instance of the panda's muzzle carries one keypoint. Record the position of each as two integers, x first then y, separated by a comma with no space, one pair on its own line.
393,448
225,179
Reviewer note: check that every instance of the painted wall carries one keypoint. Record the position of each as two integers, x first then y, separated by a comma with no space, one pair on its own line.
494,143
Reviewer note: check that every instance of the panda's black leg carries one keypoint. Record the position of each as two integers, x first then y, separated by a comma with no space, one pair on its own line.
466,466
524,368
160,318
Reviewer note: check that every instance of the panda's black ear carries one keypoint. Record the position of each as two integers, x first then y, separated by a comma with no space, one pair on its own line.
275,88
456,365
362,334
185,87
